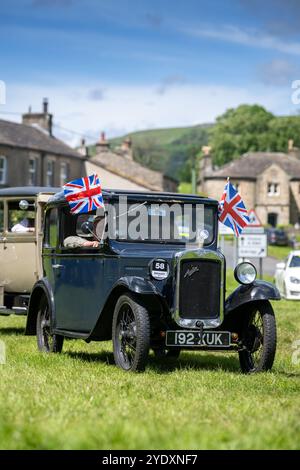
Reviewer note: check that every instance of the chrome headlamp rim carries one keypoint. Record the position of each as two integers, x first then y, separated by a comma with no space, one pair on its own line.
237,269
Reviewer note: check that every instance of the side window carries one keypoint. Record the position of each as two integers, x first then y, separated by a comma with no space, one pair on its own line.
1,217
21,221
50,233
3,168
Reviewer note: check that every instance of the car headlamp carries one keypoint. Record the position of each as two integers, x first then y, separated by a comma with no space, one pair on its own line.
245,273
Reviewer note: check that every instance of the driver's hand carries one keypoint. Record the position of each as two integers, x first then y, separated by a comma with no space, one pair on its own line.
93,244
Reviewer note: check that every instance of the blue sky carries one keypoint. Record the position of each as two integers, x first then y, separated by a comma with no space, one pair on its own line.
125,65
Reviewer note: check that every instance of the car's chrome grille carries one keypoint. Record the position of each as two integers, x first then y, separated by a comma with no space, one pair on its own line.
199,296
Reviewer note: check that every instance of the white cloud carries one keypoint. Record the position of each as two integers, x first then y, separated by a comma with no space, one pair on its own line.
246,37
129,108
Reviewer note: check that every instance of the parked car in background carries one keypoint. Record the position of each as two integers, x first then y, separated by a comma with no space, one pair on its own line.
21,219
164,292
287,276
277,237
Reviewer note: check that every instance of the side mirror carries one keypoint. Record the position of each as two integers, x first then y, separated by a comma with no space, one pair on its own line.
23,205
87,228
280,266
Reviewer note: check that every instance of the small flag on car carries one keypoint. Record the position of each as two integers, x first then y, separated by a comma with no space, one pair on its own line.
232,211
84,194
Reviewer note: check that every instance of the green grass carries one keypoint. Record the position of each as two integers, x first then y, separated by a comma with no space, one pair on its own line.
80,400
279,252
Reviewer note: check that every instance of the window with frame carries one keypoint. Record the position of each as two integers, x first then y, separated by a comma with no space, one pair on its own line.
32,171
1,216
20,221
50,239
50,172
3,168
273,189
64,172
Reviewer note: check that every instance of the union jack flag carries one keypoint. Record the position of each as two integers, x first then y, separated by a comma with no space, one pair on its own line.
84,194
232,210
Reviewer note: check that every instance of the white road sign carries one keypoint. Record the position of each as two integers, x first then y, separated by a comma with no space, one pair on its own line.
252,245
224,230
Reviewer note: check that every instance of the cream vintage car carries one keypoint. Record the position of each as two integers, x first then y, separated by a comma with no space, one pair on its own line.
21,220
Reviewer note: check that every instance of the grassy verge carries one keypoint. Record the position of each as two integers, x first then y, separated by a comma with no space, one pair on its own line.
279,252
80,400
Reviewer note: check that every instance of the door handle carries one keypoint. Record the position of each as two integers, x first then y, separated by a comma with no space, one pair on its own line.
57,266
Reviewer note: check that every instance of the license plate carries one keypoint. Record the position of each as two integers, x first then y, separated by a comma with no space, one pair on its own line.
209,339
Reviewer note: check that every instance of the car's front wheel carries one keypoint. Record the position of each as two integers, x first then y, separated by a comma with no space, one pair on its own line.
259,338
130,334
46,341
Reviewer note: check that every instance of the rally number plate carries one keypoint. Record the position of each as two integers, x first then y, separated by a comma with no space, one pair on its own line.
213,339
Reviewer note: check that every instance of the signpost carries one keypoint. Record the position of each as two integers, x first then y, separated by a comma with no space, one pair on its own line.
253,241
252,245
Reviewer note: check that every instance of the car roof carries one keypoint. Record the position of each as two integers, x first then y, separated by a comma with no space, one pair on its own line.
28,190
59,197
295,253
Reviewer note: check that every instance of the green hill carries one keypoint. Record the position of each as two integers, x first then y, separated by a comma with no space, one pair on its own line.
171,150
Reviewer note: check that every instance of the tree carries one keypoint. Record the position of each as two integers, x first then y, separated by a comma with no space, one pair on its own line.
238,131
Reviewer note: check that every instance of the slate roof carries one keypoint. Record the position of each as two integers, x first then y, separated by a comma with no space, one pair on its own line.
252,164
130,169
25,136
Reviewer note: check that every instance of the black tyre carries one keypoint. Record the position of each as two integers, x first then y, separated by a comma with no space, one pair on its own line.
259,339
130,334
46,341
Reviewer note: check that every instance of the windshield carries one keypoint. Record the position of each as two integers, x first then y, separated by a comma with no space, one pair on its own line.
164,223
295,262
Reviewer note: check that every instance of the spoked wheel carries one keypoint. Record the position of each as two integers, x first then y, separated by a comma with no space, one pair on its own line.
130,334
46,341
259,339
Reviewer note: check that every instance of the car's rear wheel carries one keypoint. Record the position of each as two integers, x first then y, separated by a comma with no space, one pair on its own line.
130,334
259,338
46,341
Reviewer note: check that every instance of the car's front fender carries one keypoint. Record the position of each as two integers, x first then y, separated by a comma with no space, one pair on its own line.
258,290
138,285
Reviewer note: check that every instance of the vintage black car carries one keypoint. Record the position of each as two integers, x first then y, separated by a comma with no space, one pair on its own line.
157,284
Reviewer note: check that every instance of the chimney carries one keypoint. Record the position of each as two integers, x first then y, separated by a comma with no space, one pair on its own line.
293,151
102,145
42,120
83,149
45,105
206,161
126,148
205,167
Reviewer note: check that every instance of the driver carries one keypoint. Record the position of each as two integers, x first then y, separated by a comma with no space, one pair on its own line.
74,241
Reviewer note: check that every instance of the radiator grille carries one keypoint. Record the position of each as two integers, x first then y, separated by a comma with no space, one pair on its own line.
199,294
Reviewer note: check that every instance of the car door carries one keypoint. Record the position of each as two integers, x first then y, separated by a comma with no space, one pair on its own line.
77,278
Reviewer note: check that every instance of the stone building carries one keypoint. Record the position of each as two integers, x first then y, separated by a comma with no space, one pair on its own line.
268,182
118,170
31,156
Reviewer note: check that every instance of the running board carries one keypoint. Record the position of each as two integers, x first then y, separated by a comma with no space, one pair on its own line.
12,311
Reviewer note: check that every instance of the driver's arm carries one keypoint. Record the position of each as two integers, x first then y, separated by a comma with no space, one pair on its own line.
75,242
